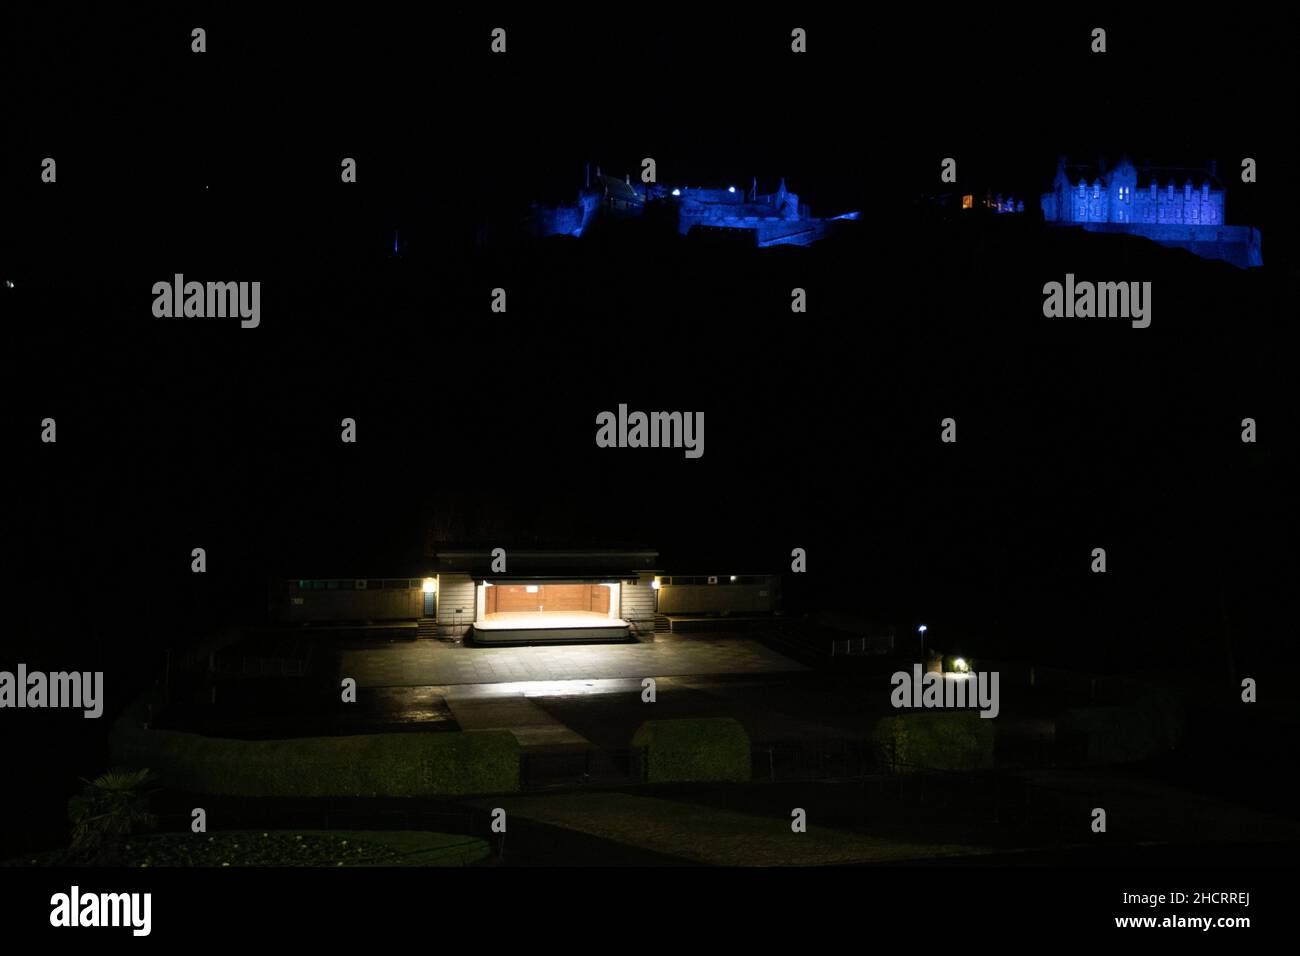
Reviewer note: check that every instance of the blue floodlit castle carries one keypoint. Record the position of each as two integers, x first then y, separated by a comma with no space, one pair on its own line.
1176,207
747,216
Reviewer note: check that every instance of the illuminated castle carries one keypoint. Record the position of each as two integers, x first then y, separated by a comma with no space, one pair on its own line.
1177,207
748,217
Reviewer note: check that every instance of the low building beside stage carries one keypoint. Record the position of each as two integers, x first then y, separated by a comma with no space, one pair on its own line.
542,596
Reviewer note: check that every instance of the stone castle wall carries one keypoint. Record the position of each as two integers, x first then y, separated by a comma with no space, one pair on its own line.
1155,205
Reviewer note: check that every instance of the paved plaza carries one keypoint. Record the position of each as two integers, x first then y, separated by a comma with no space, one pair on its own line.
425,663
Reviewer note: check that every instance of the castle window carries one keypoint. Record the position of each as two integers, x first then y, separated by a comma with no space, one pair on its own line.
967,202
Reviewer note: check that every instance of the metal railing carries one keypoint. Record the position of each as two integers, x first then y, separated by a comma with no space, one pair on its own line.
859,646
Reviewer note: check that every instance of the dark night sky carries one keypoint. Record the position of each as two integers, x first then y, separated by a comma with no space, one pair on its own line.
820,433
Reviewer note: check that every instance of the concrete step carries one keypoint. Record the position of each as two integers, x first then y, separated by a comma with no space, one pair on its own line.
533,727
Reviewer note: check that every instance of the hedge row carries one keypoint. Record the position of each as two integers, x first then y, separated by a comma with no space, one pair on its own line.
1124,733
367,765
699,749
406,764
934,740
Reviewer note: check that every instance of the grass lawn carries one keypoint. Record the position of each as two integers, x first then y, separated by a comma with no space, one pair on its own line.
721,836
278,848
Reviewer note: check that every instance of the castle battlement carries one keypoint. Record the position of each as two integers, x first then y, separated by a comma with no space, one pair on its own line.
776,218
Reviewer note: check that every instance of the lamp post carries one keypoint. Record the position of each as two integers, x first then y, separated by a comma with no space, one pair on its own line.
921,630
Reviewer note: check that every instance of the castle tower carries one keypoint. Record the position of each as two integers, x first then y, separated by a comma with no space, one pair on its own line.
1121,186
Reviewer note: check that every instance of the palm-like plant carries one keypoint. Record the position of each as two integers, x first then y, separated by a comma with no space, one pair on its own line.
112,805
